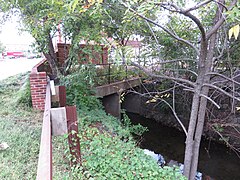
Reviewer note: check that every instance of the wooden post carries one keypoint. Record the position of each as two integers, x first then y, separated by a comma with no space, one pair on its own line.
60,97
44,170
73,139
59,121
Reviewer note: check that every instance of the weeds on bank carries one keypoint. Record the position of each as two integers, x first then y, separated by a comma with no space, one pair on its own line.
108,149
109,152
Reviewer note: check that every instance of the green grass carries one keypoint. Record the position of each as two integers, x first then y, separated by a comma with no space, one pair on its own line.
19,161
20,128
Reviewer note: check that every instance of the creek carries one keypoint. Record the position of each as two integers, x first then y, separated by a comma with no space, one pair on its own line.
216,160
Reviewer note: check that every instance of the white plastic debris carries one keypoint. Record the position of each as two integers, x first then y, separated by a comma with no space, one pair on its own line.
3,146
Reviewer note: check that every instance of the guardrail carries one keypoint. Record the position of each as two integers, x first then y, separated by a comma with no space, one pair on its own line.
64,120
44,170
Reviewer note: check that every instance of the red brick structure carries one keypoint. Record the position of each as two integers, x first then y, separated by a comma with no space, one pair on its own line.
38,84
99,56
38,76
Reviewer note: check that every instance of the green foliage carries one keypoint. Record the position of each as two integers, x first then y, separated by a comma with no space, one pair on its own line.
79,88
2,48
234,14
132,129
24,94
218,128
108,151
107,157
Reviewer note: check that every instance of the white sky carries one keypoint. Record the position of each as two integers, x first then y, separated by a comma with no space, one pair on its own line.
10,34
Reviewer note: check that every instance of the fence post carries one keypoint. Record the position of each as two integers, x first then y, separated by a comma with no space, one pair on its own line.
109,73
73,138
62,96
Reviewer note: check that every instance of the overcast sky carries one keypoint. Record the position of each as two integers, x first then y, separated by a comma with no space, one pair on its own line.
10,34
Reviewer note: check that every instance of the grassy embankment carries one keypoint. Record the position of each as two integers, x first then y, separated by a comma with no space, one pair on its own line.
20,128
108,151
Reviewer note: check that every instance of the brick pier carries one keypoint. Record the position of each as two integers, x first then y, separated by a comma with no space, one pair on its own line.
38,84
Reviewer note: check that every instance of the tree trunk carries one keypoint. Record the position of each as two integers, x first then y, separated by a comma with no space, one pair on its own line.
195,129
190,141
52,57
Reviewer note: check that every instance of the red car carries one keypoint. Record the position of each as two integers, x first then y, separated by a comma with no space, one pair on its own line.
15,54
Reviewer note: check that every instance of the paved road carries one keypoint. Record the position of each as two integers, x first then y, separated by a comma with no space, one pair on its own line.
10,67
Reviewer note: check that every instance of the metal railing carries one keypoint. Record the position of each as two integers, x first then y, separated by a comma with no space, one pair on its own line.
112,72
50,121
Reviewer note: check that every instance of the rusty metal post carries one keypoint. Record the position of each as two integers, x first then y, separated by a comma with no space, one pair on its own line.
73,138
62,96
109,73
126,71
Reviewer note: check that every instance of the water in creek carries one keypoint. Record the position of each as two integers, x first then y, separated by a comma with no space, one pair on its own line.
216,160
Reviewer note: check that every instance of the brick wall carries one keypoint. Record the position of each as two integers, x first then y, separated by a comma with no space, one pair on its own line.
100,57
38,78
38,84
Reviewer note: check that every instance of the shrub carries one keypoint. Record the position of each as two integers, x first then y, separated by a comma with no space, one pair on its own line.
24,94
79,87
109,152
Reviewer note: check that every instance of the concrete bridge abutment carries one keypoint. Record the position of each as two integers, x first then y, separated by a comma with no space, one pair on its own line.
112,104
111,94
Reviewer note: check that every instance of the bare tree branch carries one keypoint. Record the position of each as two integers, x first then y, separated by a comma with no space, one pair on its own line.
208,98
153,34
237,151
220,3
225,77
189,15
175,60
221,90
163,28
197,6
173,111
223,47
175,115
163,76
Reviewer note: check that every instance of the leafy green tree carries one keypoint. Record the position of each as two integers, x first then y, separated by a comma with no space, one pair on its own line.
205,18
41,19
